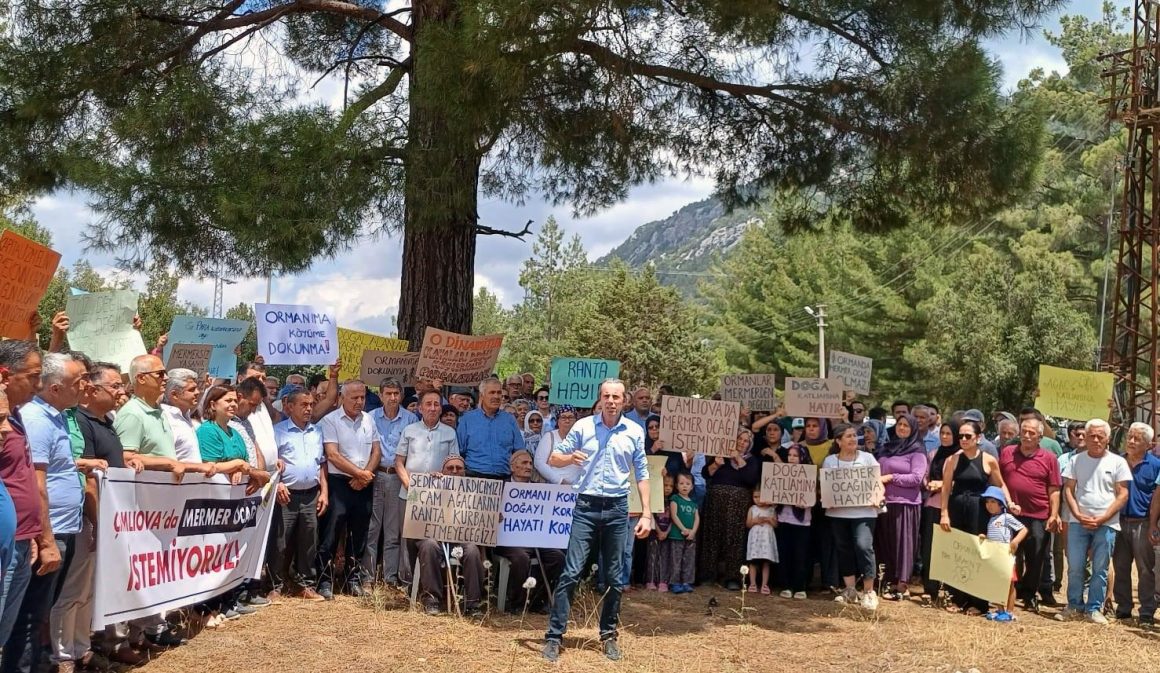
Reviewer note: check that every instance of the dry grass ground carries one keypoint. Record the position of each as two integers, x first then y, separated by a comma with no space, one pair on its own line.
660,633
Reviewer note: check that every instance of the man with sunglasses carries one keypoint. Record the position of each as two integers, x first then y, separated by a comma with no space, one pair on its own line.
141,425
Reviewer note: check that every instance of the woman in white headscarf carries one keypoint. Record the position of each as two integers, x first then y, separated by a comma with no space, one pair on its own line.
533,428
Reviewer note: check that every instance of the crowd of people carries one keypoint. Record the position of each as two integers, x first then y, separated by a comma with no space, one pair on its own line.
347,451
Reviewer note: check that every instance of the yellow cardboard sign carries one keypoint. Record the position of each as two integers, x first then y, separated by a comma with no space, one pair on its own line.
1073,394
981,568
352,343
656,487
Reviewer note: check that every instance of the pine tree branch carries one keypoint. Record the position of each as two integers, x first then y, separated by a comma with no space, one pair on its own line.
379,92
836,28
670,76
483,230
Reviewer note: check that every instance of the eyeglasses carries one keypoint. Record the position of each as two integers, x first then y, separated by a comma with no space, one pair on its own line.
113,387
542,398
157,373
962,436
536,421
858,411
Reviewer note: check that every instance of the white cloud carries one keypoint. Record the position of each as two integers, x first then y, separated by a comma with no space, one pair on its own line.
357,302
482,280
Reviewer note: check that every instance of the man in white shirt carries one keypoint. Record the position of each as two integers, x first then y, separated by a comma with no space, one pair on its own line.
1095,487
352,446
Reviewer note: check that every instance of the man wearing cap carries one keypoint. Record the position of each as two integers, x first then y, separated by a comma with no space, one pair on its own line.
387,510
462,399
1032,477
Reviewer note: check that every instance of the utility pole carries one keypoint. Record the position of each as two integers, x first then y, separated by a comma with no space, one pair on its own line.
820,316
1133,76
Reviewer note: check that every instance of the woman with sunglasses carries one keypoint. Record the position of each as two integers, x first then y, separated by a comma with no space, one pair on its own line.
533,428
966,474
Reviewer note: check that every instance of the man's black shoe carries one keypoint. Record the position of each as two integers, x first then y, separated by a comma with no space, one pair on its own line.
551,651
165,639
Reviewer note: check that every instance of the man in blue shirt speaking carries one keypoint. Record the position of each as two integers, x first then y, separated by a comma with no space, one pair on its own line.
606,447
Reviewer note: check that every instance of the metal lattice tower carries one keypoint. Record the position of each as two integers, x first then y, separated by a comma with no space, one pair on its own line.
1134,76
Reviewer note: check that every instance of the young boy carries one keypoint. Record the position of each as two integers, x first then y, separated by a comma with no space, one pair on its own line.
1004,528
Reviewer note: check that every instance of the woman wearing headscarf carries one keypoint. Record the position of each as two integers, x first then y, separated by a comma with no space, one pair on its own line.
948,446
533,428
565,418
722,544
655,446
873,435
903,464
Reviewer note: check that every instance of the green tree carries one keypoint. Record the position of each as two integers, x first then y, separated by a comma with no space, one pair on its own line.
249,345
895,114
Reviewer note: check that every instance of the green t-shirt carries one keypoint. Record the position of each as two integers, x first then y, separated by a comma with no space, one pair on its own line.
75,439
218,445
686,514
144,429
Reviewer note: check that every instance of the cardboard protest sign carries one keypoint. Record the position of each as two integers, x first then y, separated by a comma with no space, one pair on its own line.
101,326
755,391
536,515
656,487
194,357
453,509
852,370
378,366
457,359
27,268
222,334
979,567
576,381
694,425
1073,394
858,486
787,484
352,344
820,398
291,334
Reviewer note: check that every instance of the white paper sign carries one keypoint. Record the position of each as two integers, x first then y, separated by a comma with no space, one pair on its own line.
296,335
536,515
853,370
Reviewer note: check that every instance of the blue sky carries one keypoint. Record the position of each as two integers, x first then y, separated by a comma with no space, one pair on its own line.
362,285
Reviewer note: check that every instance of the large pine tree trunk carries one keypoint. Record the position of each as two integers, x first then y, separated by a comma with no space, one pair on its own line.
441,191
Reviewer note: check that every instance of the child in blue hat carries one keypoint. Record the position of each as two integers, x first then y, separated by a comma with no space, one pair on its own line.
1005,528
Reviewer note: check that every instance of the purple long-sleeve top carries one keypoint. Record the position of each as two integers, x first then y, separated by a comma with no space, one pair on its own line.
909,472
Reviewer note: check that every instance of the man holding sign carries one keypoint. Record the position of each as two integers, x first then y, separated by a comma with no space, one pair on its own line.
604,447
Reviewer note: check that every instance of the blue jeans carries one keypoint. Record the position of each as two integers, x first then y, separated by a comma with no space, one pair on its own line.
600,523
23,649
16,577
1100,542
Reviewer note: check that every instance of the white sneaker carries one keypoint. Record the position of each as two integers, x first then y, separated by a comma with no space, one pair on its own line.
1097,617
801,596
786,594
869,601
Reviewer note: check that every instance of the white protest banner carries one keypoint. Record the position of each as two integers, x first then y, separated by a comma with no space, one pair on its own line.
453,509
821,398
859,486
536,515
163,545
457,359
979,567
755,391
694,425
194,357
852,370
378,366
101,326
296,335
788,484
224,335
